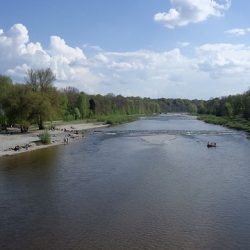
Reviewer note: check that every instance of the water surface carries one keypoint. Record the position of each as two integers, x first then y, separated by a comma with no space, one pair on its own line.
150,184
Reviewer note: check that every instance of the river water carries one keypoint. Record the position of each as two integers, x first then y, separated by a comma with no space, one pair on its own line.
149,184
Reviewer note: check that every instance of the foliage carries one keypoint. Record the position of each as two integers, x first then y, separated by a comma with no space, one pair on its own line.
45,137
235,123
83,105
45,96
24,126
38,101
41,109
17,104
5,85
179,105
77,113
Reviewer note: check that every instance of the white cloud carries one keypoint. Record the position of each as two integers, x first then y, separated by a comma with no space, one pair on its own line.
224,60
238,31
59,47
69,64
185,12
212,70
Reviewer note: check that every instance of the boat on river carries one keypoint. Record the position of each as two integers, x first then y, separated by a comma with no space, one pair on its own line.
211,144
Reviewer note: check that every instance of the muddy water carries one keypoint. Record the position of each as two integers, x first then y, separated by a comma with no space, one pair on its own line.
150,184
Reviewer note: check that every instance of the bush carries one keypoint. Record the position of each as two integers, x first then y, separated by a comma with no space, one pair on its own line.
235,123
45,137
24,126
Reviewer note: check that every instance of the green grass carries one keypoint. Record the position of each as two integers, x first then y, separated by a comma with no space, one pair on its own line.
45,137
230,122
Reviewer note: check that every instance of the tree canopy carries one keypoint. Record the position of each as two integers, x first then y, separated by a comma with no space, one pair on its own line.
37,100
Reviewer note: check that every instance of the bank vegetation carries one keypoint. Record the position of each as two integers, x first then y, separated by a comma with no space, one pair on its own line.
37,100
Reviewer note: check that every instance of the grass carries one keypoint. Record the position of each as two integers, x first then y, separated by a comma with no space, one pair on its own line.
45,137
230,122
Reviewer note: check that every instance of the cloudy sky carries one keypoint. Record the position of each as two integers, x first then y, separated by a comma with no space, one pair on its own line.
154,48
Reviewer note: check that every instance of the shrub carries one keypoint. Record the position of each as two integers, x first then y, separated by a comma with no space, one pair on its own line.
24,126
45,137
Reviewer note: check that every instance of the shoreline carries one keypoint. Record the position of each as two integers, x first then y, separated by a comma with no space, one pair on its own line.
70,130
232,123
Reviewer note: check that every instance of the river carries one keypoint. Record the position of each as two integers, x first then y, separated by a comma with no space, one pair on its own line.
149,184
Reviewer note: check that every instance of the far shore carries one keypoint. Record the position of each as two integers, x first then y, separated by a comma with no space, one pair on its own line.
27,142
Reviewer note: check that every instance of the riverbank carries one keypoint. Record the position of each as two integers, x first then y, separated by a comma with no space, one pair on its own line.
235,123
14,142
115,119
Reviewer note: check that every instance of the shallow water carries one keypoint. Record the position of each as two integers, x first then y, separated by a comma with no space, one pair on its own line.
150,184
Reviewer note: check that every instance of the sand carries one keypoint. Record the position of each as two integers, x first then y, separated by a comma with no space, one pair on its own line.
71,131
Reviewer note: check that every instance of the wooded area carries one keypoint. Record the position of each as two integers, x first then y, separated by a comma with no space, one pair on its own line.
37,100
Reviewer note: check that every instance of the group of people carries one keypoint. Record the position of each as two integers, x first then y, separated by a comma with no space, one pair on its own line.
17,147
211,144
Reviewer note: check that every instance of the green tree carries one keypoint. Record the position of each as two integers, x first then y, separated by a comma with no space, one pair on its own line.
42,109
17,105
77,113
83,105
246,111
228,109
5,86
192,108
46,102
92,106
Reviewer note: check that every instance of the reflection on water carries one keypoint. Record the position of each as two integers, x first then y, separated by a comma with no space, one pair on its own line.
150,184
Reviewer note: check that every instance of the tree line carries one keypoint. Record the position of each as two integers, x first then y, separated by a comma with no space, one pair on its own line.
233,106
230,106
232,111
37,100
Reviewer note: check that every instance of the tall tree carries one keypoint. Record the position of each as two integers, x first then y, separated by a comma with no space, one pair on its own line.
40,80
83,105
46,102
92,106
18,106
5,86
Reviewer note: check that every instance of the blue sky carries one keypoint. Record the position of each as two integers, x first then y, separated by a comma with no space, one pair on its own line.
155,48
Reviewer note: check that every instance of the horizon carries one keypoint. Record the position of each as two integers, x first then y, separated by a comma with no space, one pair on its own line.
160,49
146,97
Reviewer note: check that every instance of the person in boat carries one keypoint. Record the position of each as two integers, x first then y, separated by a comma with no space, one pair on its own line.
211,144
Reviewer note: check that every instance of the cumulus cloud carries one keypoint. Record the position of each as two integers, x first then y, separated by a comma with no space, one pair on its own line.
212,70
185,12
18,54
224,60
238,31
141,71
59,47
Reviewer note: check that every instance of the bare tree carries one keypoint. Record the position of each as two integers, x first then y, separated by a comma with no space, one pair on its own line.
40,80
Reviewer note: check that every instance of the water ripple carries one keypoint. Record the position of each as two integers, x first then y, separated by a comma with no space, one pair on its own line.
169,132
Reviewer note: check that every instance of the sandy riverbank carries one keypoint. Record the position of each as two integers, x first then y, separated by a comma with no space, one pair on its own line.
71,131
